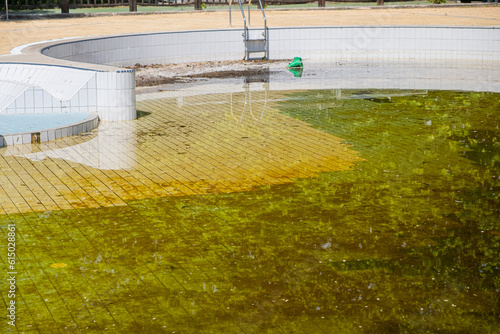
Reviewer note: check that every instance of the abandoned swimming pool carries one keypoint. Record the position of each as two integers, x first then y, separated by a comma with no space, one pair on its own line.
312,210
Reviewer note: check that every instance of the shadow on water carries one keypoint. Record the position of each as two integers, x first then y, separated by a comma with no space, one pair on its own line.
260,76
141,113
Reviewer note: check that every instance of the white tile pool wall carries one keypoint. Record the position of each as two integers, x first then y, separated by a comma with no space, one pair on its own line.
51,134
386,43
35,89
323,43
47,89
115,93
38,88
157,48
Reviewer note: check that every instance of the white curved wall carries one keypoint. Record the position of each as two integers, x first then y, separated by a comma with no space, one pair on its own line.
157,48
68,85
37,88
388,43
328,43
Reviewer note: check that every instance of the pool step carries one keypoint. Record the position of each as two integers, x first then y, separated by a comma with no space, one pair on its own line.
256,46
38,128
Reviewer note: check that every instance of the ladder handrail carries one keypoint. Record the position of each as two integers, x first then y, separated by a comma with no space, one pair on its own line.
265,21
243,13
244,18
264,15
246,33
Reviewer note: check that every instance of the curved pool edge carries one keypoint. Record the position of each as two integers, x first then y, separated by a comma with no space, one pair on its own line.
52,133
87,74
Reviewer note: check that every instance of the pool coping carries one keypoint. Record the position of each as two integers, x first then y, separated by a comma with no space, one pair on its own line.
49,134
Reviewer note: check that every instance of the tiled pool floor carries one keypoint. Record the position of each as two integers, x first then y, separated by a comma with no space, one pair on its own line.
209,215
204,145
171,150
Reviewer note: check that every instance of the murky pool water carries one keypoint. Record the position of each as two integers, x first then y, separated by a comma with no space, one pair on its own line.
402,236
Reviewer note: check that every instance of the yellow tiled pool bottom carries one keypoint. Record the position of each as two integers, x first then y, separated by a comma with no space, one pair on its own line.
209,144
307,211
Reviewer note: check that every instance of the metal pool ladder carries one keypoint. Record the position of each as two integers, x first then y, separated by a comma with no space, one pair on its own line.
253,42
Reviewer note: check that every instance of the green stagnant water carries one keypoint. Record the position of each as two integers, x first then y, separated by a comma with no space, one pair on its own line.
407,241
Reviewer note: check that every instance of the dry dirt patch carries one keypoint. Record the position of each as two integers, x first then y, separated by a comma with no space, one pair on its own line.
154,75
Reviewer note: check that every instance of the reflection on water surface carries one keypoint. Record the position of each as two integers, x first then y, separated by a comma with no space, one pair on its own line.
404,240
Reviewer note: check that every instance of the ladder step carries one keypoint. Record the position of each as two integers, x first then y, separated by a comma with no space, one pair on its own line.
255,45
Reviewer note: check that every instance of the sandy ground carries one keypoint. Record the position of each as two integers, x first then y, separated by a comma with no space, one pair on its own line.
15,33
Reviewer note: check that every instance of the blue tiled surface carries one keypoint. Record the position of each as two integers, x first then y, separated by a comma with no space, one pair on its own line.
11,124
